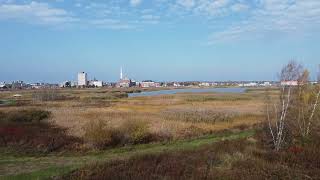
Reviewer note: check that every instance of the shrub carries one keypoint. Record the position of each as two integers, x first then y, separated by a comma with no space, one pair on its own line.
99,135
136,132
22,131
51,95
197,115
120,95
24,116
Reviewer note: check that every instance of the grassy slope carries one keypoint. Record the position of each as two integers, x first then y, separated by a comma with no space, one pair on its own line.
12,167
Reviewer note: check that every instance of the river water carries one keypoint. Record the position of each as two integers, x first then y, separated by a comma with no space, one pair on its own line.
195,90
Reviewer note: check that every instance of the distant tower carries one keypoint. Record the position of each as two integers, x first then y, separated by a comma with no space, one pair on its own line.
121,75
82,79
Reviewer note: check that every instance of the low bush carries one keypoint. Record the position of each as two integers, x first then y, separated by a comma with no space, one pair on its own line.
121,95
24,116
197,98
235,159
198,116
23,131
136,132
51,95
99,135
185,164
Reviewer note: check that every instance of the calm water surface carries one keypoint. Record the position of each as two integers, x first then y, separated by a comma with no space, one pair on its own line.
198,90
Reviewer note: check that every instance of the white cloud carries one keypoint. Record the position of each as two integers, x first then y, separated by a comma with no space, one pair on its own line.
135,2
287,17
236,19
111,24
211,7
186,3
34,12
239,7
150,17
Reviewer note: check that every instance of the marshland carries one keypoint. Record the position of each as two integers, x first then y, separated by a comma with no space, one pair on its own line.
104,134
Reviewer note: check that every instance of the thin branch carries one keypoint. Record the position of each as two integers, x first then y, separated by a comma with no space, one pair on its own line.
313,110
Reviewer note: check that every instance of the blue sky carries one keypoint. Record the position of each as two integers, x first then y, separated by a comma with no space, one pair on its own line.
51,40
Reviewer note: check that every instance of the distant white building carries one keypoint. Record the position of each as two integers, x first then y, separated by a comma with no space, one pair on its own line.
251,84
206,84
289,83
82,79
18,85
35,85
265,84
2,84
74,84
96,83
176,84
147,84
65,84
124,83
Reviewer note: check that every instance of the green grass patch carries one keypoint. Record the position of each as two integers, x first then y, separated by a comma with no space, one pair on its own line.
4,102
24,116
41,174
69,163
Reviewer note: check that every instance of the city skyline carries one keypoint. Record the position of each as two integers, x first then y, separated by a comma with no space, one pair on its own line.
179,40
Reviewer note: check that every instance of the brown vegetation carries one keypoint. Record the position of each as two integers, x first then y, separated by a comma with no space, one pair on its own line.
237,159
296,109
99,134
26,131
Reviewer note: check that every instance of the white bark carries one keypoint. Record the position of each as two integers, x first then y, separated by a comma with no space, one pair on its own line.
312,113
278,136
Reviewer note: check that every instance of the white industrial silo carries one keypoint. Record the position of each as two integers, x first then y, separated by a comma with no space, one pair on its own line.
82,79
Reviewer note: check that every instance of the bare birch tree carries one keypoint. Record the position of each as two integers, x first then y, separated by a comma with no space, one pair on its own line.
306,104
314,106
277,118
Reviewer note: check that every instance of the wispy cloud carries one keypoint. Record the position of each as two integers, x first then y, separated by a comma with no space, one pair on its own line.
135,2
187,3
239,7
238,19
111,24
35,12
273,16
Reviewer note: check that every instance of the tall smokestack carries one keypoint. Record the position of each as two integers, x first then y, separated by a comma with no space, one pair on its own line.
121,75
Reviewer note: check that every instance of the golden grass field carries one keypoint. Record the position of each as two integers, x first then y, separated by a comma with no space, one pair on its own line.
178,115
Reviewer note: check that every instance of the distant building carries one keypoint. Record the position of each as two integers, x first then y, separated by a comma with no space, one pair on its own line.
176,84
96,83
3,85
18,85
205,84
74,84
289,83
65,84
251,84
36,85
147,84
265,84
124,83
82,79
